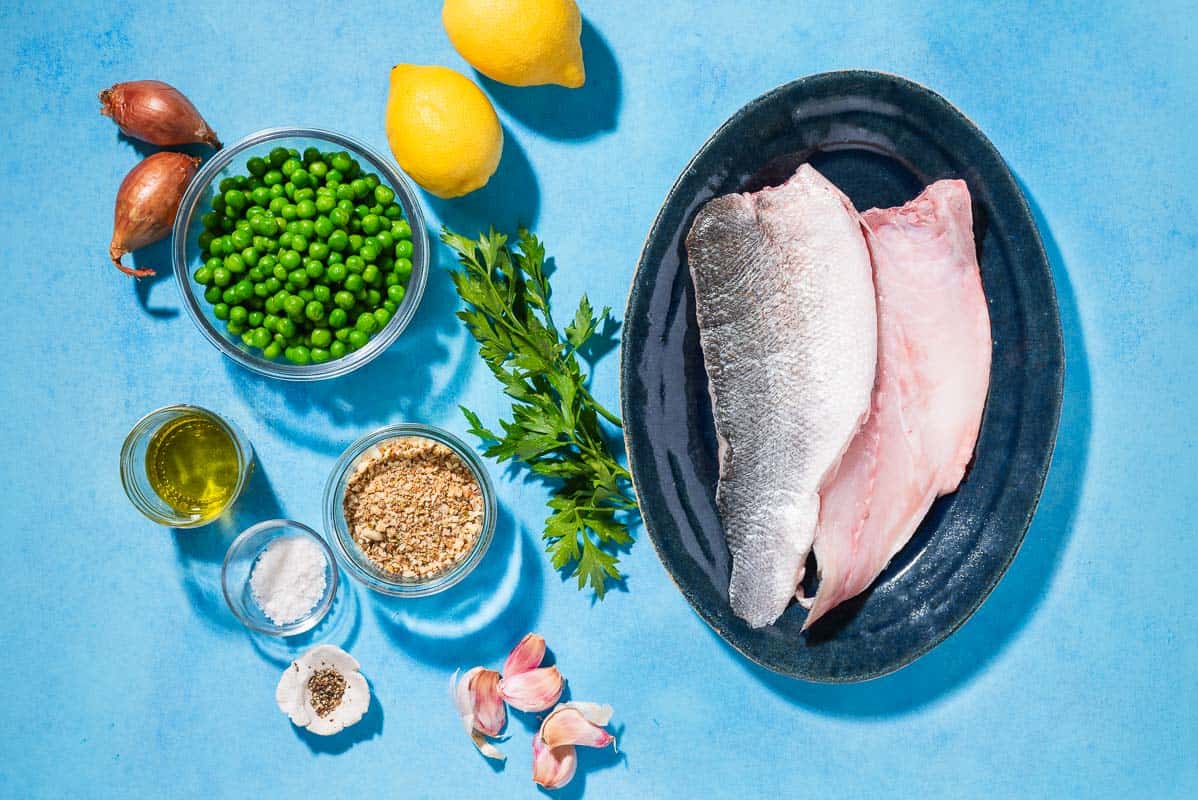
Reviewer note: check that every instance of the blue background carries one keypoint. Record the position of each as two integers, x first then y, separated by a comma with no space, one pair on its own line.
125,675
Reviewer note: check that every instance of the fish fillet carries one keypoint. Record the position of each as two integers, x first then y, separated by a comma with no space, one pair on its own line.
784,299
932,376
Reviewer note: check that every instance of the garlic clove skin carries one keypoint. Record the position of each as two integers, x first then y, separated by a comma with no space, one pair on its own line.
553,768
295,700
596,713
567,724
534,690
526,655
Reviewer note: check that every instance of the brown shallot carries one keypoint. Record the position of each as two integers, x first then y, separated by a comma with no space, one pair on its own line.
146,204
157,113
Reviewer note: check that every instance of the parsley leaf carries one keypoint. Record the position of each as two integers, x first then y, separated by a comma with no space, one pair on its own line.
556,429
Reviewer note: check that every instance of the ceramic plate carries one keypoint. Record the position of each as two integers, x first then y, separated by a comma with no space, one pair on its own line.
881,139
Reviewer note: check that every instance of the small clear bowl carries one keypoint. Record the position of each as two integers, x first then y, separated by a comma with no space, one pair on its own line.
197,201
137,483
357,563
239,566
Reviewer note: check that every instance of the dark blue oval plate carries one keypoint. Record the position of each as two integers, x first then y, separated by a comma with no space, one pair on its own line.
881,139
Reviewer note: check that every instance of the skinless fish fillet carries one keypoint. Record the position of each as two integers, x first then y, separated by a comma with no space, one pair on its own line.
932,377
785,304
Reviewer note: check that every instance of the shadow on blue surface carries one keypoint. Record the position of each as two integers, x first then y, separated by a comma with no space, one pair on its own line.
561,113
370,726
201,551
511,198
158,258
339,627
397,386
999,621
480,619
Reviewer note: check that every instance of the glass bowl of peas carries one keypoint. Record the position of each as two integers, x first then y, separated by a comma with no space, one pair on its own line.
300,253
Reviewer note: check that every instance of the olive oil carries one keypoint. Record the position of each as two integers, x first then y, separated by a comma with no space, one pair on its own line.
192,463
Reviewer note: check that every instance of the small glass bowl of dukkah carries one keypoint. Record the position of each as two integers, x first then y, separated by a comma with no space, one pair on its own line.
411,509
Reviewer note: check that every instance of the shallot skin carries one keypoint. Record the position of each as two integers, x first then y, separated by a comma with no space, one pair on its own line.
157,113
146,204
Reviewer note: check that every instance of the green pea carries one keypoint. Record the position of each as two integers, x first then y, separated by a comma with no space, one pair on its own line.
393,212
360,188
370,253
205,240
396,294
401,229
301,178
305,194
238,314
289,259
314,310
274,284
386,240
337,349
203,276
371,274
353,282
305,209
235,263
286,327
276,205
311,154
298,242
307,294
358,338
212,294
322,226
235,200
306,227
403,248
272,351
381,317
344,299
320,355
390,305
210,221
256,166
313,268
383,194
244,290
277,156
261,290
263,225
322,293
366,322
261,196
272,307
338,240
338,317
220,311
299,278
250,256
280,272
377,210
403,268
325,203
373,297
241,238
335,272
216,247
371,224
322,337
289,166
273,178
354,263
318,250
229,296
221,276
293,305
226,185
235,328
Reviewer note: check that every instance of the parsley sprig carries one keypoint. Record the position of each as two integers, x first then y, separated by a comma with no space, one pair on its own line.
555,429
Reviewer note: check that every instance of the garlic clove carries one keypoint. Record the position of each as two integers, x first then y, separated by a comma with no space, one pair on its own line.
534,690
490,715
526,655
567,724
480,707
552,768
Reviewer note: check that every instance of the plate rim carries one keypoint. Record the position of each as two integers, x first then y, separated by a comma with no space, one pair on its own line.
1057,359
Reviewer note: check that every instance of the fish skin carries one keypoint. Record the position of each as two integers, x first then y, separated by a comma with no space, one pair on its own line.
786,312
933,373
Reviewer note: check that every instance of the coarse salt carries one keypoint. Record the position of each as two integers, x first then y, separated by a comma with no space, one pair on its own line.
288,579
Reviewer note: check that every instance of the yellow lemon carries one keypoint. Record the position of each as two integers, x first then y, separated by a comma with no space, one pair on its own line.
442,129
518,42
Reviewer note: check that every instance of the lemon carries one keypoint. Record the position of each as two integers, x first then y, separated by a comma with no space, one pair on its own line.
442,129
518,42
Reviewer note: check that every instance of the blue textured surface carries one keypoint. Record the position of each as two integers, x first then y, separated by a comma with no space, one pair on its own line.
125,676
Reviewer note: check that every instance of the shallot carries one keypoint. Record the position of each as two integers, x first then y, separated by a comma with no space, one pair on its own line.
146,204
157,113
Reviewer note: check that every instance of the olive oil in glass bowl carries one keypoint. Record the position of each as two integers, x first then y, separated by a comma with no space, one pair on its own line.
183,465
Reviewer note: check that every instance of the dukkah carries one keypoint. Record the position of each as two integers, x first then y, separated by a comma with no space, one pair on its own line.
414,507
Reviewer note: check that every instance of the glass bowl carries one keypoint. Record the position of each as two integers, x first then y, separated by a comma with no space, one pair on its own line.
186,250
136,480
357,563
239,566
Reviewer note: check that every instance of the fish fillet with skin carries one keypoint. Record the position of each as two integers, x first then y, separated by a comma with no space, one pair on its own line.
784,299
932,377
